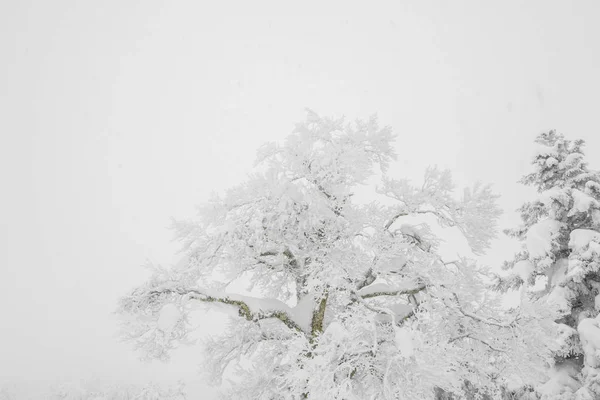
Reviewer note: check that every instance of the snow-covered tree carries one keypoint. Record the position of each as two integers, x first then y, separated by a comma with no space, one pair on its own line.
351,299
560,261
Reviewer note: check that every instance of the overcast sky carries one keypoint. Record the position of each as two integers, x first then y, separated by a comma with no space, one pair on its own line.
117,115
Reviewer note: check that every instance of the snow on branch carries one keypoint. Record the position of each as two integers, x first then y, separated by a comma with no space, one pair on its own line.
504,284
470,336
486,321
474,214
383,289
251,308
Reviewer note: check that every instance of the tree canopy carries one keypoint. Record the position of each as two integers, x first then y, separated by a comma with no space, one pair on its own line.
350,299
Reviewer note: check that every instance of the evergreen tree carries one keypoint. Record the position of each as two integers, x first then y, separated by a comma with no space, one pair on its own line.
560,261
352,299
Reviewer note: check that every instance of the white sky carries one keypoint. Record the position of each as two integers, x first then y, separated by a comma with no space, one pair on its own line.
118,115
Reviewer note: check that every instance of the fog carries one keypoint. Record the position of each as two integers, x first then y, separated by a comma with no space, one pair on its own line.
117,116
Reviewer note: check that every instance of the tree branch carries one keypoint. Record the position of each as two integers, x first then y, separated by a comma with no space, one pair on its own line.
369,278
481,319
468,335
447,219
381,310
244,310
395,292
316,325
393,219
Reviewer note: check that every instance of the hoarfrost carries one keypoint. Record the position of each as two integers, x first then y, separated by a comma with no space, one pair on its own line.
540,236
580,238
524,269
169,317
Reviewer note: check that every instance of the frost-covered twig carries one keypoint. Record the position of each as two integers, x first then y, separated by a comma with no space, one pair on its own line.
482,319
469,336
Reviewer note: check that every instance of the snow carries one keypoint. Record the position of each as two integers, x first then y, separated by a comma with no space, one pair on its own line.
401,309
404,342
559,297
523,268
584,394
548,196
565,335
301,314
183,264
541,150
540,236
169,317
582,202
576,271
336,330
259,305
558,272
592,186
382,286
514,382
589,334
597,303
375,287
596,217
408,229
561,382
585,244
551,161
395,264
572,158
593,250
580,238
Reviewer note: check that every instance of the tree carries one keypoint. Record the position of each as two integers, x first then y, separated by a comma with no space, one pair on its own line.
353,301
560,261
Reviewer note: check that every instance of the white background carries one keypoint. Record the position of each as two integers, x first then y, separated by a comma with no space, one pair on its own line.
117,115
